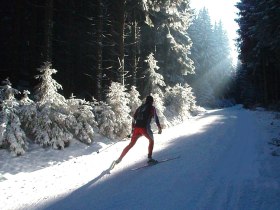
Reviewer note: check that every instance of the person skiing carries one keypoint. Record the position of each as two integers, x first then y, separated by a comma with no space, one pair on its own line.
141,127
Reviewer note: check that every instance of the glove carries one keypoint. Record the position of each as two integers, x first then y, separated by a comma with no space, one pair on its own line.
159,130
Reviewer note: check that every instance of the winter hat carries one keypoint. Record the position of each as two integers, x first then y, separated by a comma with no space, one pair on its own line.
149,100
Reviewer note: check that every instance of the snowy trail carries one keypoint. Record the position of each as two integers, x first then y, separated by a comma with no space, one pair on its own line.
223,165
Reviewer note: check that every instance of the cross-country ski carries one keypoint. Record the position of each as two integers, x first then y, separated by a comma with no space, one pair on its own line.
153,164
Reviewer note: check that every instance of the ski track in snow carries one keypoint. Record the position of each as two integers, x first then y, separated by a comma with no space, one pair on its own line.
225,163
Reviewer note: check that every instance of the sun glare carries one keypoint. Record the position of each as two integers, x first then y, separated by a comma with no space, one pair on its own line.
225,11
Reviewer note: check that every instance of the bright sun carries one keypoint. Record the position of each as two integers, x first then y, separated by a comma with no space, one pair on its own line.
225,11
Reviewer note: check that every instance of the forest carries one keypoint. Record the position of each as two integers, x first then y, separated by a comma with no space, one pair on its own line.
94,43
76,68
258,74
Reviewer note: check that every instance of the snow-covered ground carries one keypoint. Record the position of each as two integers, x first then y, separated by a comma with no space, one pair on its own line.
226,163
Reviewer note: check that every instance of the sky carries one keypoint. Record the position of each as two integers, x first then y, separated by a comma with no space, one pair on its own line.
225,11
225,163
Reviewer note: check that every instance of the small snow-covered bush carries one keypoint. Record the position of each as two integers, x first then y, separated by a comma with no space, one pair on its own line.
180,102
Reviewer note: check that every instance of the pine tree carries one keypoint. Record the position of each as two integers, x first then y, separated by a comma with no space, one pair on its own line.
28,113
154,80
134,22
154,85
221,72
48,33
180,102
259,48
160,108
47,90
134,101
170,21
12,135
106,119
212,60
49,126
117,98
81,120
59,120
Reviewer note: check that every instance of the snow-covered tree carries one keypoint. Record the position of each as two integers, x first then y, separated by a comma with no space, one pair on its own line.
28,112
11,134
106,119
58,120
180,102
118,99
81,120
203,55
154,84
154,81
49,127
134,101
160,108
212,60
47,90
170,21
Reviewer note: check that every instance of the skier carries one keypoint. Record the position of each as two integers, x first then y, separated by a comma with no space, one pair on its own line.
141,127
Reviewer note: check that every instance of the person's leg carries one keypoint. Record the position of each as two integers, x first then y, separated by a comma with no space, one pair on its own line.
149,135
133,140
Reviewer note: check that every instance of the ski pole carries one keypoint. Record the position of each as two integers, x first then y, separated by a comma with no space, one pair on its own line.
98,151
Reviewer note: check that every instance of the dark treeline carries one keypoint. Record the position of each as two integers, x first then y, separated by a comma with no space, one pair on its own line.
80,39
92,43
258,79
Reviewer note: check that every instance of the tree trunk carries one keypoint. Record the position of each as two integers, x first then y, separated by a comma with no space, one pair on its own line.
134,51
265,89
17,52
120,12
99,50
48,30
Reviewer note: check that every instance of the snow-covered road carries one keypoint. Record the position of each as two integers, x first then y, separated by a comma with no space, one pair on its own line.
225,163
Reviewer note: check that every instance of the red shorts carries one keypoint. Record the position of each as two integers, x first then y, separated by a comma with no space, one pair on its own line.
138,132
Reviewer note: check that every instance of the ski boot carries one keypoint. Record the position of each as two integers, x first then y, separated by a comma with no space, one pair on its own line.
152,161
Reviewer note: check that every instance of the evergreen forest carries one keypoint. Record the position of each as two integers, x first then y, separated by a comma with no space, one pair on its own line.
258,74
94,43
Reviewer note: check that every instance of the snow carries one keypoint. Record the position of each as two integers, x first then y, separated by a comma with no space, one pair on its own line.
226,163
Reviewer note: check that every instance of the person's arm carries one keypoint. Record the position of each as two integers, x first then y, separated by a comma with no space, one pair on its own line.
157,120
134,118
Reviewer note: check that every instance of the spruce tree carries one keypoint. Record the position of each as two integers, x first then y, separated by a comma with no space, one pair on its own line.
106,119
134,101
58,119
118,99
12,135
170,21
202,54
49,126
